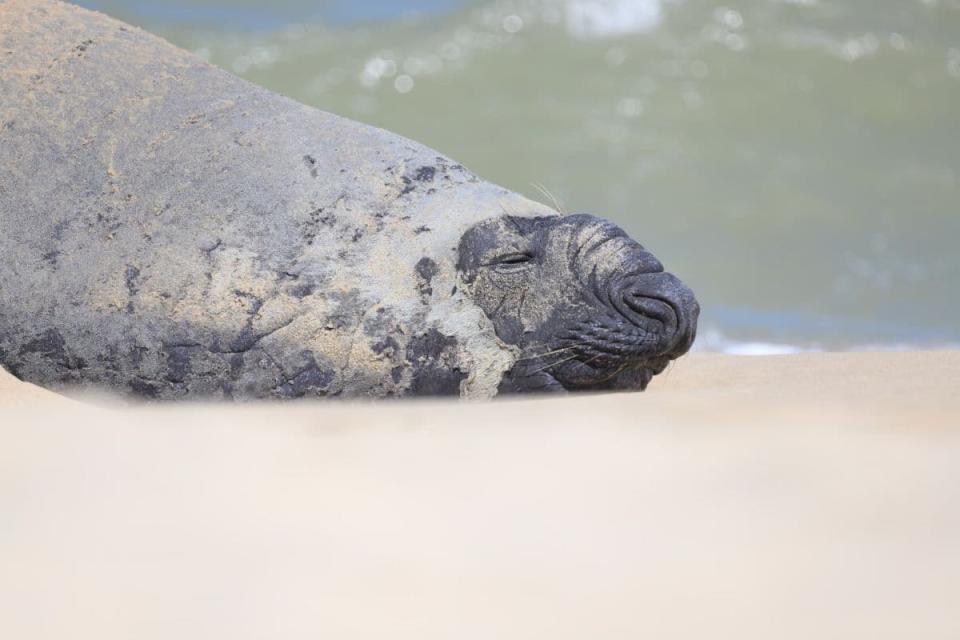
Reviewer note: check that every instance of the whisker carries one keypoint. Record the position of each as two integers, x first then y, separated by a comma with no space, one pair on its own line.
593,358
616,373
552,364
548,353
547,194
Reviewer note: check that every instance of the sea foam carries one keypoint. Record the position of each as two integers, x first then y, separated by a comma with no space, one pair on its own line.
612,18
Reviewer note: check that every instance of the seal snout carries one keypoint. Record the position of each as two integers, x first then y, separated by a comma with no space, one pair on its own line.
660,304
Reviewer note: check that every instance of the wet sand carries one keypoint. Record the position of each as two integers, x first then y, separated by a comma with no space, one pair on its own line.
800,496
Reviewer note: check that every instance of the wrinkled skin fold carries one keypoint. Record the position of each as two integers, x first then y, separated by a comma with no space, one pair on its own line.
588,307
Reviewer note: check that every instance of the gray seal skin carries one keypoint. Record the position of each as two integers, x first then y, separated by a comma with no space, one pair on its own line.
168,230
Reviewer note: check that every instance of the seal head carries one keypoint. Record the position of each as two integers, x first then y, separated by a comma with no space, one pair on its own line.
588,307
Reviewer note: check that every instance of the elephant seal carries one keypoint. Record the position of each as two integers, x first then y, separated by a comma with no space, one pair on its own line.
172,231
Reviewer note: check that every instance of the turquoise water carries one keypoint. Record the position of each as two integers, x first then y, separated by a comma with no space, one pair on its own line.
796,161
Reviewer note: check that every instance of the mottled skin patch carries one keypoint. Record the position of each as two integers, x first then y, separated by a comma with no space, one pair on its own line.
426,269
433,360
173,232
313,380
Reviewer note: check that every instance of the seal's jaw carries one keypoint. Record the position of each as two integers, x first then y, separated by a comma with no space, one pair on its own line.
584,366
589,308
580,376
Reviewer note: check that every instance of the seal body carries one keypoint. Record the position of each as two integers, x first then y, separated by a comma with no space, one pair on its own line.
171,231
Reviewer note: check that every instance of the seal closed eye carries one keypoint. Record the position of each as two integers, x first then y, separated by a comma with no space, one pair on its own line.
512,259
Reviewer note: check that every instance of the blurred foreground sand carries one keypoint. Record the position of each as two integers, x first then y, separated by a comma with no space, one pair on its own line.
808,496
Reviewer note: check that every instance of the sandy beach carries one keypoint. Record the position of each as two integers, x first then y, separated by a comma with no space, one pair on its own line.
796,496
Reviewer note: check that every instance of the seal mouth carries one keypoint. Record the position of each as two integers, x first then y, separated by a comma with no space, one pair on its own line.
589,372
604,353
581,375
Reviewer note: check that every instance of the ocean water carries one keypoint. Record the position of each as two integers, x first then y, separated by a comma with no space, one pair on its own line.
797,162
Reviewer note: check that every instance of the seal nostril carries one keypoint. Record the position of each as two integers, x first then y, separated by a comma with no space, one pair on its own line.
653,308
